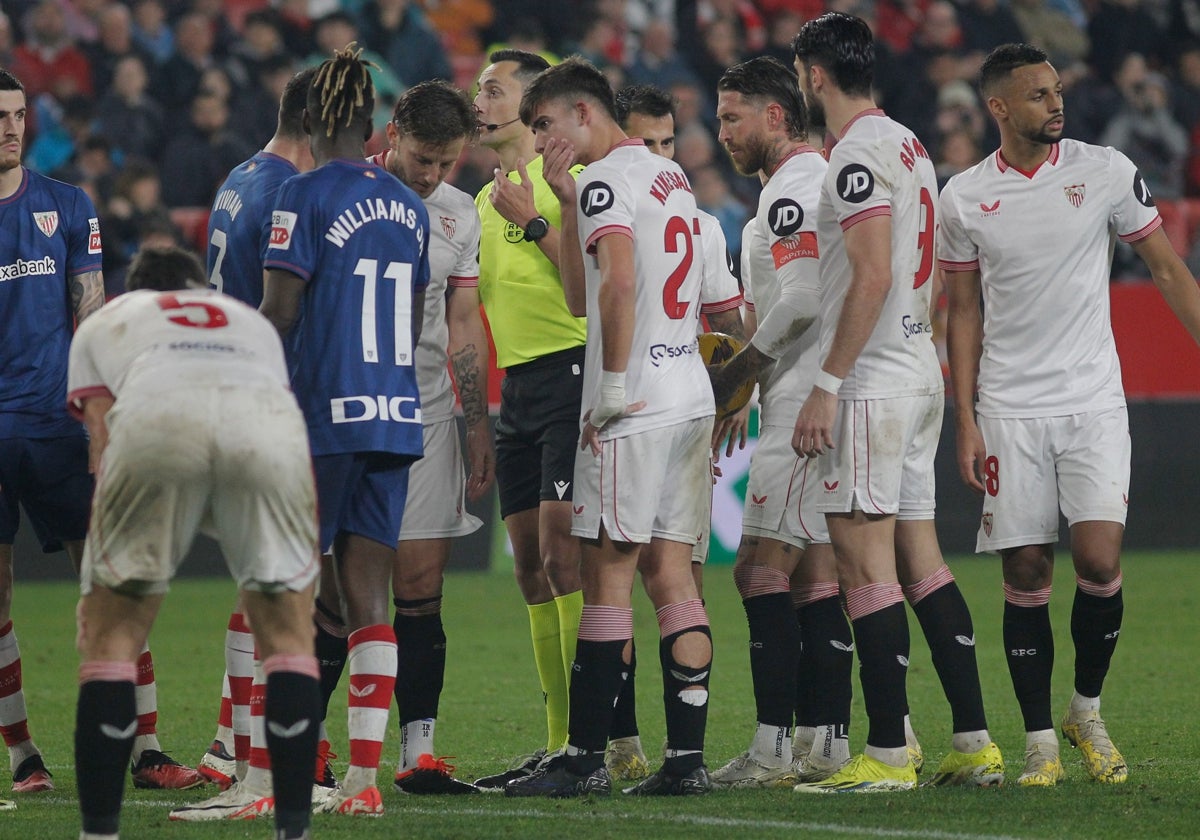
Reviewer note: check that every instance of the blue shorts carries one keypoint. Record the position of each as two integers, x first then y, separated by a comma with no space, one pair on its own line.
49,477
361,493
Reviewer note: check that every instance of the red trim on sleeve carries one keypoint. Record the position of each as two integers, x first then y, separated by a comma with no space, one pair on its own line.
1139,235
601,232
749,306
462,282
952,265
721,306
863,215
76,398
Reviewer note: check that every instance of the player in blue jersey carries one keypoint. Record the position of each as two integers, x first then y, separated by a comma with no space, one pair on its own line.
239,230
346,274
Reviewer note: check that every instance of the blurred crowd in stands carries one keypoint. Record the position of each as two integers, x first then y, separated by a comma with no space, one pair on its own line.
147,104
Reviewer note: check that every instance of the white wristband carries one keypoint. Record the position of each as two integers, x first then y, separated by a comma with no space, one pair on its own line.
612,379
826,381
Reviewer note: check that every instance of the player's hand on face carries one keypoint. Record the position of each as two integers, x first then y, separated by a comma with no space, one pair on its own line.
814,424
971,454
481,460
513,201
557,159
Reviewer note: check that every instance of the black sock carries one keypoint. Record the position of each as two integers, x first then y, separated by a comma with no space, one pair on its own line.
774,654
686,721
881,638
624,724
829,659
805,689
331,653
420,658
105,722
292,726
1095,626
1029,647
946,623
595,683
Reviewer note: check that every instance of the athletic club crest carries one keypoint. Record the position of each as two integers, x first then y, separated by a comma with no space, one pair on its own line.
47,222
448,226
987,520
1074,194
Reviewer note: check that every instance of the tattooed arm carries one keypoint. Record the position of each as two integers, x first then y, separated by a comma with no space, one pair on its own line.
468,350
87,294
728,322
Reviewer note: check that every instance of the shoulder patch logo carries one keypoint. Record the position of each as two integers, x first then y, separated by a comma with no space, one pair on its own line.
785,217
1141,192
596,198
94,244
448,226
1074,194
47,222
855,183
283,222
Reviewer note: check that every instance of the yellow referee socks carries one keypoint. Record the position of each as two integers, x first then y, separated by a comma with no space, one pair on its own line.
548,655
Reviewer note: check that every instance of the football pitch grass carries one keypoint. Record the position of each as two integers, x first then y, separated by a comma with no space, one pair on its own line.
491,711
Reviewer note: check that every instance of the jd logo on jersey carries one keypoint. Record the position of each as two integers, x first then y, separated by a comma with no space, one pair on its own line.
855,183
785,217
597,198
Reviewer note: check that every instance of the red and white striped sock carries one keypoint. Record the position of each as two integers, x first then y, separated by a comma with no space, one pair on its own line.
14,725
145,695
239,668
372,663
258,775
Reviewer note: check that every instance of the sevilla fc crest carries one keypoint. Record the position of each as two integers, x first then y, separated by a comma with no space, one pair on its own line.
987,524
47,222
447,226
1074,194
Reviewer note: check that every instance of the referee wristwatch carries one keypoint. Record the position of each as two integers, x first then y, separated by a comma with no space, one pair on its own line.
537,228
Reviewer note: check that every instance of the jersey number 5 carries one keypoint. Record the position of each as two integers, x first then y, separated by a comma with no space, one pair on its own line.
368,270
677,229
194,313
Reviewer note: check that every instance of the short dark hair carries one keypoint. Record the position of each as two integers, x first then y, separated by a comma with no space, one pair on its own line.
10,82
644,99
528,64
293,102
573,78
1000,63
768,79
434,112
844,46
165,270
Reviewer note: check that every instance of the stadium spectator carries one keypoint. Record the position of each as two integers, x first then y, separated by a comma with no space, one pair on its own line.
127,115
334,32
1120,27
1183,26
986,24
48,61
460,24
200,154
1145,131
91,168
657,61
935,58
61,127
714,196
1185,92
137,199
719,48
115,41
957,150
253,107
177,79
1051,30
399,31
151,29
261,46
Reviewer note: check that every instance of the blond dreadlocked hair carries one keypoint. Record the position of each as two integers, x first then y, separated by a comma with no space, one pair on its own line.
343,89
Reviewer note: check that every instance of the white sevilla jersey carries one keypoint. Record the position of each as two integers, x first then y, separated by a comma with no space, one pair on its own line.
786,243
1043,244
453,261
148,344
719,290
631,189
879,168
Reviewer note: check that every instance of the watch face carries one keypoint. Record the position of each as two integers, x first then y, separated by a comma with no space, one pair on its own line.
536,229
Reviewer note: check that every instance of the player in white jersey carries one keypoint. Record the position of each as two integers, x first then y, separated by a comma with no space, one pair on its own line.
648,112
192,423
764,130
641,296
430,125
878,395
1031,229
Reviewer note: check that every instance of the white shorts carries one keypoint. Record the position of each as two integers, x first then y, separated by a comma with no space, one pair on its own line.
653,484
1037,466
231,461
782,493
437,486
882,462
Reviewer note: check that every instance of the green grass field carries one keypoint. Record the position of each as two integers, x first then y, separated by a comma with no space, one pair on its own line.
491,711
